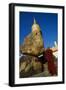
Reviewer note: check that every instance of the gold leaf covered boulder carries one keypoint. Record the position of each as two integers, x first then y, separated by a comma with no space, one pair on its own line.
33,43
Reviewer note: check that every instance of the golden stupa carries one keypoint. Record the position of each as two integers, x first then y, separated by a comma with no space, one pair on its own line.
35,26
33,43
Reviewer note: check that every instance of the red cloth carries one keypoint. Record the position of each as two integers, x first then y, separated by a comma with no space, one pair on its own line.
49,57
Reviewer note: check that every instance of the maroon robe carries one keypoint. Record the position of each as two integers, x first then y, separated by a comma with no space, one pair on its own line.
49,57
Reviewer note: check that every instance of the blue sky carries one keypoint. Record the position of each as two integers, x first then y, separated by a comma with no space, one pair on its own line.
48,23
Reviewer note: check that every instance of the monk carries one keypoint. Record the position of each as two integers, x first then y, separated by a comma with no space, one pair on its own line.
48,56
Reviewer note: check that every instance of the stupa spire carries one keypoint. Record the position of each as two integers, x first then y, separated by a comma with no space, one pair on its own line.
35,26
34,21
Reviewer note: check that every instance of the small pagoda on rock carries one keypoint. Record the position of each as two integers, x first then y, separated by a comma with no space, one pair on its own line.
33,43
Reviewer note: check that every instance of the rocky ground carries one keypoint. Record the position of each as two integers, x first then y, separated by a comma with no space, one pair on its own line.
30,66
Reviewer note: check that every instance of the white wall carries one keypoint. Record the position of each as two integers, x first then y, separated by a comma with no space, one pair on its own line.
4,24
